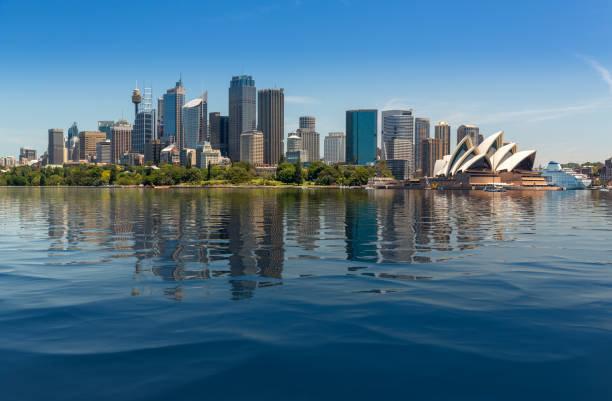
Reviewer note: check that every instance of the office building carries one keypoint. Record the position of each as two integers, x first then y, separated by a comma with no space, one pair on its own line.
398,142
104,126
121,140
55,150
271,122
103,152
153,151
295,149
443,133
432,149
73,135
132,159
334,148
206,155
195,128
145,125
251,147
471,131
219,131
87,143
188,157
27,155
421,132
308,123
242,112
172,123
361,136
311,144
170,155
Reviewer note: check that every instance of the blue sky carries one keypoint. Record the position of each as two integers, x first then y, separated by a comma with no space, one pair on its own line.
538,70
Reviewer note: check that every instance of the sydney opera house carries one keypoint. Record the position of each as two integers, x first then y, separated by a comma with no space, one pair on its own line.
493,161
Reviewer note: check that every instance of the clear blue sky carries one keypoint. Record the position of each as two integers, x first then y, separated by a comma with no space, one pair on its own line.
539,70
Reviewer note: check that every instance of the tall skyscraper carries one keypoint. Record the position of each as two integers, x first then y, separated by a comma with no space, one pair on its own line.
398,142
103,152
443,132
219,131
242,112
252,147
308,122
311,144
432,149
73,135
334,148
271,122
144,124
104,126
195,114
88,141
361,136
172,121
421,131
55,150
121,140
468,130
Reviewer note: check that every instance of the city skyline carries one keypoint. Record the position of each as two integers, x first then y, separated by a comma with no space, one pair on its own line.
538,83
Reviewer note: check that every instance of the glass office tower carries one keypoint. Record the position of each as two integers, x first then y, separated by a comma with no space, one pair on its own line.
361,131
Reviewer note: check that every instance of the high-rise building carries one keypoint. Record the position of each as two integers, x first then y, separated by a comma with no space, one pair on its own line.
251,147
398,142
103,152
308,123
104,126
334,148
55,150
468,130
195,114
421,132
73,135
242,112
295,149
160,116
432,149
27,155
153,151
121,140
271,122
88,141
443,133
219,130
172,121
311,144
361,136
145,125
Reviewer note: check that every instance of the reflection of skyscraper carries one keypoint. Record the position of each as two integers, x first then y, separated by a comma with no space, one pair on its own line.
361,228
242,112
396,216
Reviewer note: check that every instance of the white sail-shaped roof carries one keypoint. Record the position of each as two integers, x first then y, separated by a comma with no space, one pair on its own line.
526,158
462,148
492,143
478,159
498,157
467,156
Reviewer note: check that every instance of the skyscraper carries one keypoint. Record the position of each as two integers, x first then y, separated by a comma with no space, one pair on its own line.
361,136
88,141
311,144
195,114
55,150
442,133
172,121
73,135
144,124
103,152
334,148
121,140
104,126
219,127
252,147
421,130
271,122
26,155
431,150
468,130
242,112
398,142
308,122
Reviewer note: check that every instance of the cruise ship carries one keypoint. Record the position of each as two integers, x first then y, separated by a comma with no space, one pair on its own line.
565,177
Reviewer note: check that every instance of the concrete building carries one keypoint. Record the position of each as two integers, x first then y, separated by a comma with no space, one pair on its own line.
87,143
170,155
308,123
55,150
421,132
432,149
103,152
188,157
242,112
194,117
121,140
471,131
443,133
311,144
251,147
153,151
219,127
295,150
132,159
271,122
27,155
334,148
206,155
398,142
172,118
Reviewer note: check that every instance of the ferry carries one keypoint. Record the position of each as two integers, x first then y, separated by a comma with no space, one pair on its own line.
494,188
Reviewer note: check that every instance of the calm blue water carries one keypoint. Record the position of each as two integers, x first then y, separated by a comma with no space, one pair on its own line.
304,295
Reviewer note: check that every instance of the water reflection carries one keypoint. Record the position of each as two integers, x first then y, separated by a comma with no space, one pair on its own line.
256,237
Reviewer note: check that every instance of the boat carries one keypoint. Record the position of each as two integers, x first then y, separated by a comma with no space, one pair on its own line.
604,190
494,188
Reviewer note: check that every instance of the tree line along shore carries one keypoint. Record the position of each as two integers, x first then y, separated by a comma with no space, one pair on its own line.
238,173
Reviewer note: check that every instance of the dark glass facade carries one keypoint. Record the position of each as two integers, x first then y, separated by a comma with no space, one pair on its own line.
361,131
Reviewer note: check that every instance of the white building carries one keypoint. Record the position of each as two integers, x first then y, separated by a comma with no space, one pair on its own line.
251,147
206,155
334,148
398,138
295,150
194,121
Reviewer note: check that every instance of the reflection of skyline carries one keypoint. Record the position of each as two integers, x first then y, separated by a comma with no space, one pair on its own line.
249,235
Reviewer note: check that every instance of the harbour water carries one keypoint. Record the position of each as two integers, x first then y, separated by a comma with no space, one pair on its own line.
280,294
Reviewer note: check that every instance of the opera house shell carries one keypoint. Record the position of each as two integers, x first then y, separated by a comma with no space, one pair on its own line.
491,156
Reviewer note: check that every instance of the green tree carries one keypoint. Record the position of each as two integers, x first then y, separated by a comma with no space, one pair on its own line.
286,175
315,169
298,176
237,175
208,176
